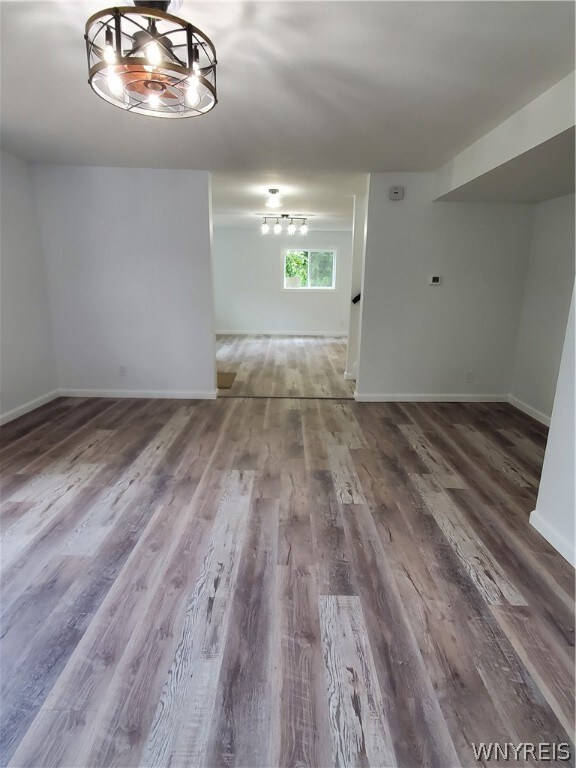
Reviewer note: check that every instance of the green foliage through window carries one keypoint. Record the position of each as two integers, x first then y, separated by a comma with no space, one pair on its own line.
297,269
309,269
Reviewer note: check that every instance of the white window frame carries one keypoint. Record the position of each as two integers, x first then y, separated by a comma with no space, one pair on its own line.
318,289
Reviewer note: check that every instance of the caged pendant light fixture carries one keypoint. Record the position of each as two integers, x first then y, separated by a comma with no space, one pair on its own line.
147,61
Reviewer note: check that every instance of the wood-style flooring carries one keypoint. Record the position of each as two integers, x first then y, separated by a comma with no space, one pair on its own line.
284,366
277,582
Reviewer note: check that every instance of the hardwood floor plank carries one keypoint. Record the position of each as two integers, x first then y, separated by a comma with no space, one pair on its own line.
180,731
415,721
333,567
346,483
62,731
300,732
241,719
483,568
513,470
480,474
68,667
294,528
433,460
524,568
532,642
360,731
124,718
493,655
419,558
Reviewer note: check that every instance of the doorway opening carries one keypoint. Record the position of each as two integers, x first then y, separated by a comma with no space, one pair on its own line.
282,293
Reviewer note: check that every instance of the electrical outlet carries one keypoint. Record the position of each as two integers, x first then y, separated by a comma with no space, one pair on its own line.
469,378
122,371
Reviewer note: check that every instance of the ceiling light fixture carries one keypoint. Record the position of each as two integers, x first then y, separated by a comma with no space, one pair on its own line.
291,228
274,200
147,61
109,54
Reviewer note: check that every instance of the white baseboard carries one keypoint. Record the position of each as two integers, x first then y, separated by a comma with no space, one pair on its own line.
560,543
280,333
165,394
522,406
31,405
349,376
362,397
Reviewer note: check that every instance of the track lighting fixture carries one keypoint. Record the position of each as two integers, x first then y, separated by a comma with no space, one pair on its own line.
290,229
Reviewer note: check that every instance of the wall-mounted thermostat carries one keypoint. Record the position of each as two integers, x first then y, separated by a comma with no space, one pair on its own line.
434,279
396,193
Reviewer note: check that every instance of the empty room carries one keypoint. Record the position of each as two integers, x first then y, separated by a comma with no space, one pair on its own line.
287,364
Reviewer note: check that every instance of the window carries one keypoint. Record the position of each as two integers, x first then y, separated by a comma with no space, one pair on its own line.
310,269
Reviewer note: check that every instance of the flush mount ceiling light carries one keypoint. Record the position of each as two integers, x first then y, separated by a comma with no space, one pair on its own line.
274,199
145,60
291,228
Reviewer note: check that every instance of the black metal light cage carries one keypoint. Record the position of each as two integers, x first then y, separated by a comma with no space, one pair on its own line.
180,83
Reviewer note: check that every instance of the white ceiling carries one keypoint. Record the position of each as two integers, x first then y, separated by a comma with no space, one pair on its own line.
327,199
305,88
546,171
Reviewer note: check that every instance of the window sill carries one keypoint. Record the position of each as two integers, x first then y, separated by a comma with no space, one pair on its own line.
309,290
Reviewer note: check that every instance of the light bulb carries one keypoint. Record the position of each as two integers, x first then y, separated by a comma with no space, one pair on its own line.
115,86
109,54
273,200
196,59
265,228
153,53
192,97
304,229
154,101
277,228
291,228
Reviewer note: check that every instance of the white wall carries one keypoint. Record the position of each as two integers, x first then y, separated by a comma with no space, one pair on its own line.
548,115
421,340
248,284
545,306
358,254
130,279
28,371
555,508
